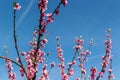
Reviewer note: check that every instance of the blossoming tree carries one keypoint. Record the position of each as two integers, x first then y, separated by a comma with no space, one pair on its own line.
35,56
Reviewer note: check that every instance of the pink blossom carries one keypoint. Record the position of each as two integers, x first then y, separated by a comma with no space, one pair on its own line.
23,53
74,62
42,30
59,50
64,2
109,70
52,64
49,19
11,75
42,78
42,5
83,70
64,76
45,73
69,63
93,71
77,78
17,6
70,71
88,52
81,65
44,41
100,74
111,76
22,72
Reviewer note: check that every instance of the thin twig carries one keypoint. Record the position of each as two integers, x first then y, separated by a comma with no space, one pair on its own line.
15,62
73,58
15,41
106,55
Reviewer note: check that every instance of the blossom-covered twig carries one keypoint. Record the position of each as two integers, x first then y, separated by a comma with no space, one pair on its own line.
106,57
3,57
42,5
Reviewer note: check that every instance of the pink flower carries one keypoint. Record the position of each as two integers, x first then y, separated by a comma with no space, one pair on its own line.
69,63
109,70
44,41
11,75
83,70
23,53
42,78
77,78
59,50
42,5
64,2
71,72
50,19
74,62
100,74
42,30
93,71
88,52
16,6
111,76
64,76
52,64
22,72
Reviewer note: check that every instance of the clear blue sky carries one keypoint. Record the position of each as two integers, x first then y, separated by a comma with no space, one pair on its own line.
89,18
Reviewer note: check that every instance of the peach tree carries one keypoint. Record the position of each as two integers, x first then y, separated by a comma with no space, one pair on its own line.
35,56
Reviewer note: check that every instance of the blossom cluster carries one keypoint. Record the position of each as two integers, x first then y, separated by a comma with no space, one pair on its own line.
11,75
46,18
107,57
16,6
93,71
64,2
61,65
82,54
42,5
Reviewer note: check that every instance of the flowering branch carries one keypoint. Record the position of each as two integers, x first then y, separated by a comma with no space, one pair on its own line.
42,5
17,7
3,57
106,57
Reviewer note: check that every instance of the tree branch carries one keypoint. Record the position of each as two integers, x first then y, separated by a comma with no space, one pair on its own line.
15,62
40,35
15,40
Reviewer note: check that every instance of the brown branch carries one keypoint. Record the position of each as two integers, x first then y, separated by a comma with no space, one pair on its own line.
110,68
15,62
15,41
101,69
73,58
83,60
106,55
87,54
58,6
40,35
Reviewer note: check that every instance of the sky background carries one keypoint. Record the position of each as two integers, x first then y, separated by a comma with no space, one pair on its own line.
89,18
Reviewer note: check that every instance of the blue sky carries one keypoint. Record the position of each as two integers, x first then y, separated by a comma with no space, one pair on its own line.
89,18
